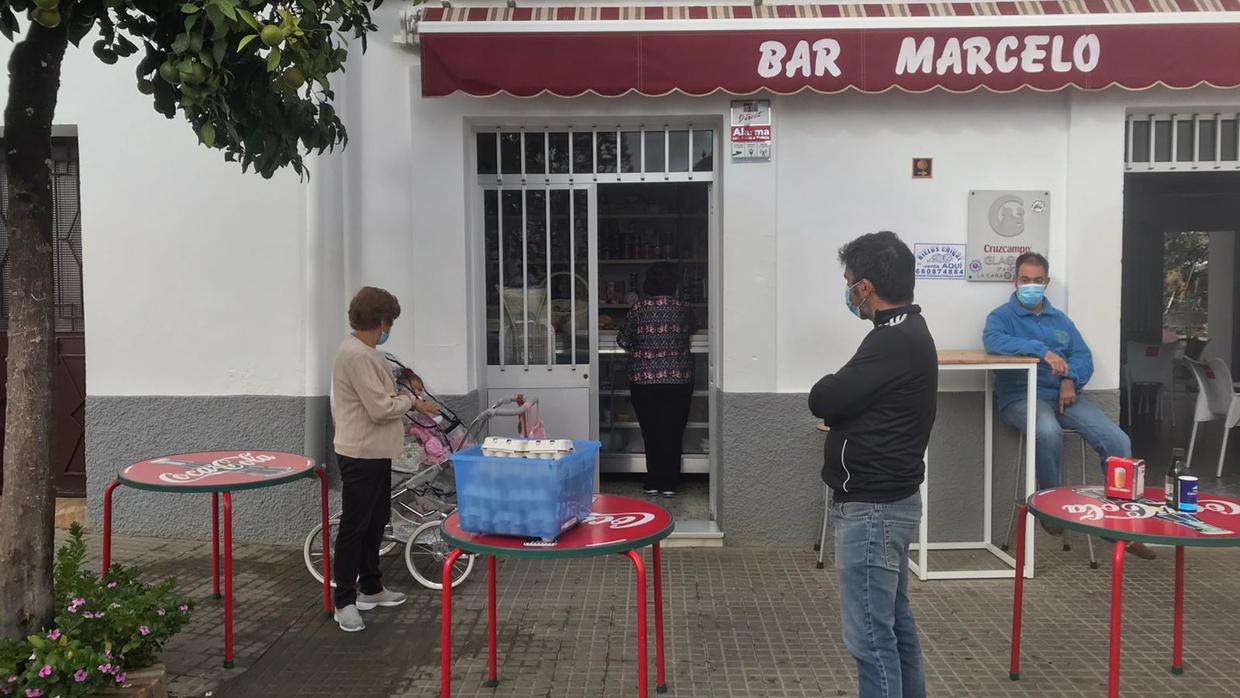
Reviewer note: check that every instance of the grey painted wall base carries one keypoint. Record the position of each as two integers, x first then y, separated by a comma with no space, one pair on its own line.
771,490
124,430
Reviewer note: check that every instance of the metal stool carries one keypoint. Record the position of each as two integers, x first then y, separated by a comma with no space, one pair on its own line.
1020,463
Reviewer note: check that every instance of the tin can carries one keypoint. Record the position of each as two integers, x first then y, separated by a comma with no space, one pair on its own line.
1188,493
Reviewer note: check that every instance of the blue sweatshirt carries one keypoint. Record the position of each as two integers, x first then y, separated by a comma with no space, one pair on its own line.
1014,330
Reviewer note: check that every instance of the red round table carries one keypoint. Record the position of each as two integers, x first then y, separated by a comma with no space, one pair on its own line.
1089,511
616,526
220,472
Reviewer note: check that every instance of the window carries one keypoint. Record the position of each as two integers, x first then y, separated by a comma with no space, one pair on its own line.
66,235
550,155
1167,142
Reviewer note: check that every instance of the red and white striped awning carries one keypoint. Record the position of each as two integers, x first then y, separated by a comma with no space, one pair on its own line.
873,47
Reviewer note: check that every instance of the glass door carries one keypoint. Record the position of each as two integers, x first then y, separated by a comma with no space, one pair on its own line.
540,301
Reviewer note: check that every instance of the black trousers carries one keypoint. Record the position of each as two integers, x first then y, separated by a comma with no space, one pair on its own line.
366,503
662,411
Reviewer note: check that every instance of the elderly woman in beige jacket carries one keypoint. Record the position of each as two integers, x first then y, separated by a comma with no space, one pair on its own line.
368,412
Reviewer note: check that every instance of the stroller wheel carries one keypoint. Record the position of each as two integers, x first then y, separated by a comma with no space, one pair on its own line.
425,554
312,548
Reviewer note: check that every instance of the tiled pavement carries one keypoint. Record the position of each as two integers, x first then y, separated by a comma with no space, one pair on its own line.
742,622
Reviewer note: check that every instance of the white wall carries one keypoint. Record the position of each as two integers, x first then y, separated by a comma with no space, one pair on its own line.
202,280
845,169
194,273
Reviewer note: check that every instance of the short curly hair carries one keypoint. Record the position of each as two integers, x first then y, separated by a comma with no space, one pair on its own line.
371,307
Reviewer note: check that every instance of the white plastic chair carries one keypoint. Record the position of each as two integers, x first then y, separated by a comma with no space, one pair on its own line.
1217,398
1151,365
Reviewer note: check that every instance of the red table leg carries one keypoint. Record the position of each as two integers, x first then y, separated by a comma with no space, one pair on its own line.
327,543
107,525
228,582
1018,599
492,673
639,567
1117,597
1177,657
215,545
445,649
660,685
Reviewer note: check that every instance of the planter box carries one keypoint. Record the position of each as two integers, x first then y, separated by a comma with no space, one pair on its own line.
151,682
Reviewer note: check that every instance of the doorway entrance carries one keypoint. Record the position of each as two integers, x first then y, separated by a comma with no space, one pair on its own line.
1179,272
571,221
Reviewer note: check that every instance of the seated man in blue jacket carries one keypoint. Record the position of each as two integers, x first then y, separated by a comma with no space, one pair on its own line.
1028,325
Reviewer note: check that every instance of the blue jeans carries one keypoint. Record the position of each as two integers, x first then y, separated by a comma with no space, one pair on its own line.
1103,435
871,554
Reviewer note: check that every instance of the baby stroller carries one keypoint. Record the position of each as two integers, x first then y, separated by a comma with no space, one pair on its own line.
425,490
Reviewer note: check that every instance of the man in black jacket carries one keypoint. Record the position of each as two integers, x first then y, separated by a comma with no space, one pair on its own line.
880,407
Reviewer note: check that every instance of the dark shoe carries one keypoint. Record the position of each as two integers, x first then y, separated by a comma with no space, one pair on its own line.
1141,550
668,493
651,492
1051,528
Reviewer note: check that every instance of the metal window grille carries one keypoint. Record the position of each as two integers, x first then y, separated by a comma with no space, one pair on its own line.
540,156
1182,142
66,235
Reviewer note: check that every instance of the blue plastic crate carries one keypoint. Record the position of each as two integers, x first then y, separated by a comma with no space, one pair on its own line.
524,496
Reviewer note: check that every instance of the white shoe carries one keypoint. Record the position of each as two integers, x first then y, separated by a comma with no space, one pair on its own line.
386,598
349,619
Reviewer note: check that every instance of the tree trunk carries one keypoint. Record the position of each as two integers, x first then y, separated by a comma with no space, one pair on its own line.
27,509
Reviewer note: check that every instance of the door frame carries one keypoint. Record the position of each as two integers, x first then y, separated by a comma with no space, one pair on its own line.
476,184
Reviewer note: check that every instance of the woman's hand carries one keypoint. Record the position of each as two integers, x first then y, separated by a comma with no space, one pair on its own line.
426,407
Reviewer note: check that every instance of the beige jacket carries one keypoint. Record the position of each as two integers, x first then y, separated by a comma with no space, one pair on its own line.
366,406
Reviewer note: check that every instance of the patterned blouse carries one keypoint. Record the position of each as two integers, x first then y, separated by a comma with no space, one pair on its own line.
656,333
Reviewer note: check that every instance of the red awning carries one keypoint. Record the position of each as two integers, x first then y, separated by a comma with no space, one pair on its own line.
783,49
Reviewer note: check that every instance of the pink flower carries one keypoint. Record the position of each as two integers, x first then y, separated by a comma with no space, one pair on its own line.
80,675
46,671
161,612
144,631
33,693
6,690
120,678
111,585
184,608
55,635
88,615
105,668
73,609
99,615
107,653
78,602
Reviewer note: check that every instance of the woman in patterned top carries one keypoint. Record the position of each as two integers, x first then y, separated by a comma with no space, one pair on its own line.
656,334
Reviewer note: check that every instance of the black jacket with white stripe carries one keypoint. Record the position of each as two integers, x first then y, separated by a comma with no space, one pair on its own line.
880,407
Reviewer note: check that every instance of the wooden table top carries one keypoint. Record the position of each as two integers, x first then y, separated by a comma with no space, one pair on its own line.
959,357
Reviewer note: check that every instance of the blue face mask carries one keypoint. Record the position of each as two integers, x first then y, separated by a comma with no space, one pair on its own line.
1030,295
383,337
852,307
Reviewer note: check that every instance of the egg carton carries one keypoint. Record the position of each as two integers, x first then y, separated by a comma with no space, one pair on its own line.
539,449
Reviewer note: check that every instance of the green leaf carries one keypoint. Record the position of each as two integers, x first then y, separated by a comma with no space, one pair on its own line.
249,19
245,41
219,50
191,21
207,134
181,44
218,20
190,8
273,60
229,8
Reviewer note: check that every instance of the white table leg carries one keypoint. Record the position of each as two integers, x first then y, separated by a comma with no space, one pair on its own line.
1031,397
988,477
